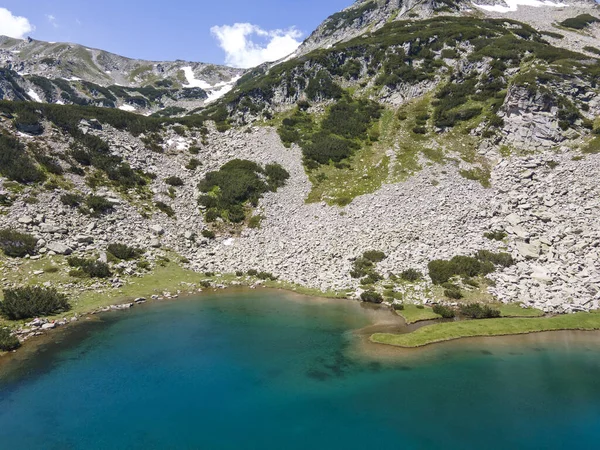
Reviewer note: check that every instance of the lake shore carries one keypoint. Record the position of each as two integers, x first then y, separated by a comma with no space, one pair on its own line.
173,282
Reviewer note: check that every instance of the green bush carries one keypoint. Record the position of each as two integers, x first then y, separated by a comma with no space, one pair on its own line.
371,297
498,259
88,268
411,275
162,206
496,235
445,311
484,263
193,164
17,244
478,311
32,301
266,276
374,256
208,234
454,294
580,22
8,341
237,183
371,278
361,267
252,272
96,205
15,164
398,306
174,181
124,252
72,200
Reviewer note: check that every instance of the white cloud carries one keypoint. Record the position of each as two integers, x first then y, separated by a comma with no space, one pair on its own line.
239,41
14,26
52,19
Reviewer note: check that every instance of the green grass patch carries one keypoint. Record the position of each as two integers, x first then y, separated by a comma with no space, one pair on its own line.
412,314
516,310
489,327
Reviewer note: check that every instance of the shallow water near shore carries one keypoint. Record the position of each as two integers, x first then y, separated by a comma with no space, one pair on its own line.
273,370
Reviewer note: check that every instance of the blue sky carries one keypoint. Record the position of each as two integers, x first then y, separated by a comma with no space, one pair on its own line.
177,29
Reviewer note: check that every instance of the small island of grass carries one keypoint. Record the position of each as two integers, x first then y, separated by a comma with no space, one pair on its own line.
441,332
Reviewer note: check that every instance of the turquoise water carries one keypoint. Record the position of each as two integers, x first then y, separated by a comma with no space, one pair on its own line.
264,371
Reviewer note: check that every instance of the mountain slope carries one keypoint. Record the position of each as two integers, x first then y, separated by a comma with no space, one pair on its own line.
71,73
369,15
455,135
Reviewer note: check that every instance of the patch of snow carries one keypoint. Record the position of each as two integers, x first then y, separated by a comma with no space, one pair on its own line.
128,108
218,93
180,143
513,5
73,79
108,71
23,135
192,81
229,242
15,51
60,102
33,95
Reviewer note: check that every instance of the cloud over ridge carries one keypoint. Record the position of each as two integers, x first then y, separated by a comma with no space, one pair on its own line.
14,26
247,45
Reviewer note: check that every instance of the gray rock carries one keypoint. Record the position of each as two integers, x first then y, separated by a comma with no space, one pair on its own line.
59,248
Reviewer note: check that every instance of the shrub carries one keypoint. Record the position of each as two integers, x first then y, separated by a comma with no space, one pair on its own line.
208,234
580,22
361,267
15,164
371,278
252,272
444,311
255,221
193,164
17,244
411,275
97,205
371,297
455,294
440,271
239,273
162,206
174,181
398,306
266,276
496,235
32,301
498,259
420,307
88,268
124,252
235,184
374,256
478,311
72,200
8,341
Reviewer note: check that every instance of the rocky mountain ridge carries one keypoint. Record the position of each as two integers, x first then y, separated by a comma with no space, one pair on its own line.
365,16
65,73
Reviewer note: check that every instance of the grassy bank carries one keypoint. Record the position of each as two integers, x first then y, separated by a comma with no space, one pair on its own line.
412,314
490,327
87,295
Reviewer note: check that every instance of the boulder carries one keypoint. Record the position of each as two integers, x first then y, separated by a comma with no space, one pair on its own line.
59,248
529,250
